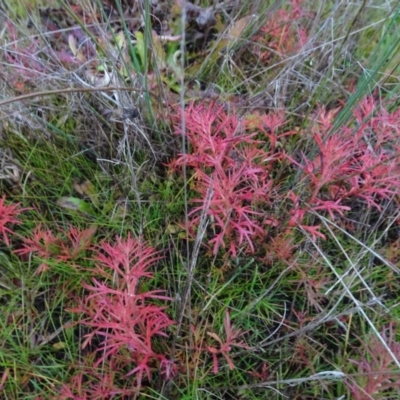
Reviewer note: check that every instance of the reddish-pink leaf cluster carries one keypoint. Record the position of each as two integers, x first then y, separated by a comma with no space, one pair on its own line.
8,217
225,346
233,167
63,246
125,320
377,370
283,34
351,162
233,164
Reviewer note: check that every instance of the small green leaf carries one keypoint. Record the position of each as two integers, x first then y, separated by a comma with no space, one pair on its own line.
87,189
73,203
140,49
59,345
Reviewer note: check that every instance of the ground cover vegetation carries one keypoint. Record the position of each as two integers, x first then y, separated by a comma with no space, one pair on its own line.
199,200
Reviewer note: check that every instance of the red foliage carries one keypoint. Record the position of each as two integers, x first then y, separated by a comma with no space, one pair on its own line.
64,246
352,163
377,371
119,315
283,34
234,162
8,216
76,242
225,346
229,166
43,242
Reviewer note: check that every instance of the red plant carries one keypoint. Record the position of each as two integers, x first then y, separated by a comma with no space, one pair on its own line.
100,385
283,35
269,125
225,346
119,315
4,378
228,163
64,246
234,172
298,213
8,214
279,248
231,205
262,373
43,242
350,163
77,241
377,370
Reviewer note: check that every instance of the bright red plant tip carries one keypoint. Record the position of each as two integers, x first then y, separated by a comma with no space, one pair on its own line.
331,207
8,216
129,258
